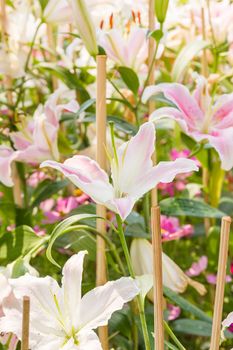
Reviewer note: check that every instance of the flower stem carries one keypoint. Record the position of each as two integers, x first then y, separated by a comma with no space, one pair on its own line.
131,271
173,337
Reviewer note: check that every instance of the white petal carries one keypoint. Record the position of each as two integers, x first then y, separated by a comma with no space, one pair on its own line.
98,305
72,286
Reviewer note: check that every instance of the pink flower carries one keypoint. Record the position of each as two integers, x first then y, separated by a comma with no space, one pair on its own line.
132,172
171,228
198,116
212,278
174,312
198,267
36,178
63,207
39,231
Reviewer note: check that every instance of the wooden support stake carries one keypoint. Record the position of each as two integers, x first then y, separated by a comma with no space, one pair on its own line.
221,280
151,81
101,270
25,323
158,279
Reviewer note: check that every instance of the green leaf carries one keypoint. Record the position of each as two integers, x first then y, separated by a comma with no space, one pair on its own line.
194,327
18,243
130,78
61,229
189,207
70,79
186,56
46,190
156,34
186,305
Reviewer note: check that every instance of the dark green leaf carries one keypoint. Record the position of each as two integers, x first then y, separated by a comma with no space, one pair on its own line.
194,327
189,207
47,191
130,78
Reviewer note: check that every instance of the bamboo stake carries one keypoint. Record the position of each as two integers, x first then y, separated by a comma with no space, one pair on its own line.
101,270
158,279
151,81
25,323
220,286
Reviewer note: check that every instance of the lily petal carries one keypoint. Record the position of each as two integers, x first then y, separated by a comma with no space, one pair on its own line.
72,285
134,159
86,174
180,96
88,340
228,321
222,141
171,113
7,156
163,172
98,305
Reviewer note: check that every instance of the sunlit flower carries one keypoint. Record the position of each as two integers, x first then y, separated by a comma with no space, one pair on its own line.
60,317
173,277
212,278
198,116
132,172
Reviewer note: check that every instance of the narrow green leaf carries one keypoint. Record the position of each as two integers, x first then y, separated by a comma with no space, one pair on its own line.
61,228
47,191
186,305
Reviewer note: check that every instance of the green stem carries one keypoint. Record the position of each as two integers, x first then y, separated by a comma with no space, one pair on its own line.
140,302
173,337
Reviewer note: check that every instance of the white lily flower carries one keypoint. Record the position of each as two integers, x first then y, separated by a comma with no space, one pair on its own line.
173,277
60,318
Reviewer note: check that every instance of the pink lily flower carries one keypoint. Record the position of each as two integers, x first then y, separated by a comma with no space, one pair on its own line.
130,51
198,116
132,172
37,138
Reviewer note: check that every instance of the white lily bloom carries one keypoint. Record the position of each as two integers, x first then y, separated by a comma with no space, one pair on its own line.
173,277
60,317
